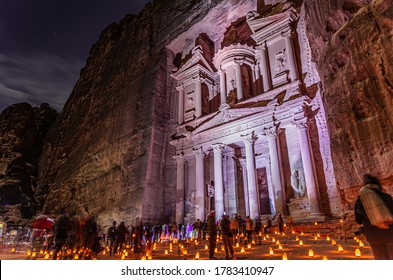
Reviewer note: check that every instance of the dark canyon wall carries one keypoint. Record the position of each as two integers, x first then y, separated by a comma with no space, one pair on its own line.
22,133
352,45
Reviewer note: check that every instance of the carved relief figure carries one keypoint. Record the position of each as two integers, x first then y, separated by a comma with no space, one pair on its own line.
281,63
298,183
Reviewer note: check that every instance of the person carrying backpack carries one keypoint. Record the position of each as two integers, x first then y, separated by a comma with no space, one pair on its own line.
112,232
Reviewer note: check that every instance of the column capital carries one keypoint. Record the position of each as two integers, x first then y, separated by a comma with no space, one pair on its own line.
249,138
180,87
197,79
301,124
218,147
272,131
180,158
287,33
198,152
239,60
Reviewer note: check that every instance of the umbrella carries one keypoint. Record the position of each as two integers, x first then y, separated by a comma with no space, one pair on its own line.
42,222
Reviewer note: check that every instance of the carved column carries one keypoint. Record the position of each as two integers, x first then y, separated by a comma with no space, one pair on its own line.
200,184
231,181
198,97
249,141
276,169
223,89
265,69
180,116
218,179
239,86
180,183
293,73
245,184
258,78
308,165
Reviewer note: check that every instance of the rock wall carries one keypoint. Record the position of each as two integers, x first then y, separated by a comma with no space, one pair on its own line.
106,154
351,43
22,133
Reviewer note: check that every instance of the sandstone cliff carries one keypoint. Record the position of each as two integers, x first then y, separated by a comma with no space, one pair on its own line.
22,133
106,154
351,43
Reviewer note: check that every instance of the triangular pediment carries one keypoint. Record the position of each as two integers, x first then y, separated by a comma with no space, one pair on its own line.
258,23
197,59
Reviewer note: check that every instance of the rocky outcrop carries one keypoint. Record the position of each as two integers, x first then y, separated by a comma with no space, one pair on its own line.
22,133
106,155
351,42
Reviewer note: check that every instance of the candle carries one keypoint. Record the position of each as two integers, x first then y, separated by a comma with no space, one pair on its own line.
28,253
300,242
358,253
340,248
311,253
166,252
297,238
216,250
361,244
334,242
222,248
249,246
46,256
206,247
197,256
76,257
284,256
143,258
278,242
328,238
324,258
271,251
273,239
253,242
242,250
237,245
280,247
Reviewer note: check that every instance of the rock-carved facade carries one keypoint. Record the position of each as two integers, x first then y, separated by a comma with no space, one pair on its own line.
250,134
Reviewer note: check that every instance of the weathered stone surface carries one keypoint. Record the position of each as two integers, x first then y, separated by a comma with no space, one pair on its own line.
351,42
22,133
116,121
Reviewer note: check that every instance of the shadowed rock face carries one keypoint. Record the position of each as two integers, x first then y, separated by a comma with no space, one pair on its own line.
352,43
22,133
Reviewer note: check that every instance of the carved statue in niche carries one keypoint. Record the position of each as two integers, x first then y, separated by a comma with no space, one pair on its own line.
281,63
298,183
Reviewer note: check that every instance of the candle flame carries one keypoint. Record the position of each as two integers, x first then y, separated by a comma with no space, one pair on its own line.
271,252
311,253
284,256
358,253
242,250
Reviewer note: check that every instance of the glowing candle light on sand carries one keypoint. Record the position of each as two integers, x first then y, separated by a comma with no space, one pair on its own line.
278,242
285,257
197,256
267,235
315,237
242,250
166,252
271,252
340,248
76,257
334,242
253,242
264,238
324,258
297,238
249,246
280,247
185,252
311,253
28,253
143,258
222,248
302,233
237,245
206,247
361,244
273,239
34,254
327,238
216,250
46,256
12,250
358,253
300,242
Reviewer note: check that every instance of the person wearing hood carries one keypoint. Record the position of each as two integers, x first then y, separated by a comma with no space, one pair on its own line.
374,210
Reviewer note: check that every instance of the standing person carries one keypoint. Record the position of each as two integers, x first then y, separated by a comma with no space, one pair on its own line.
227,237
280,223
374,210
121,237
234,225
62,226
212,229
268,226
112,232
249,227
90,231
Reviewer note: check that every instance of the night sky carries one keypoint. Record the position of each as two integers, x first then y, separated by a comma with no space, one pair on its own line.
45,43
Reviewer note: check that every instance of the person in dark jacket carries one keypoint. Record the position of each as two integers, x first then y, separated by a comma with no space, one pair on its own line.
227,237
374,210
212,229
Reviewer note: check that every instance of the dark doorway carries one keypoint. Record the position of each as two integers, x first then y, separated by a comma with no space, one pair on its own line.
263,192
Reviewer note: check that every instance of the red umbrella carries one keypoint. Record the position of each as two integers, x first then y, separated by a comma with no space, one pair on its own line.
42,222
